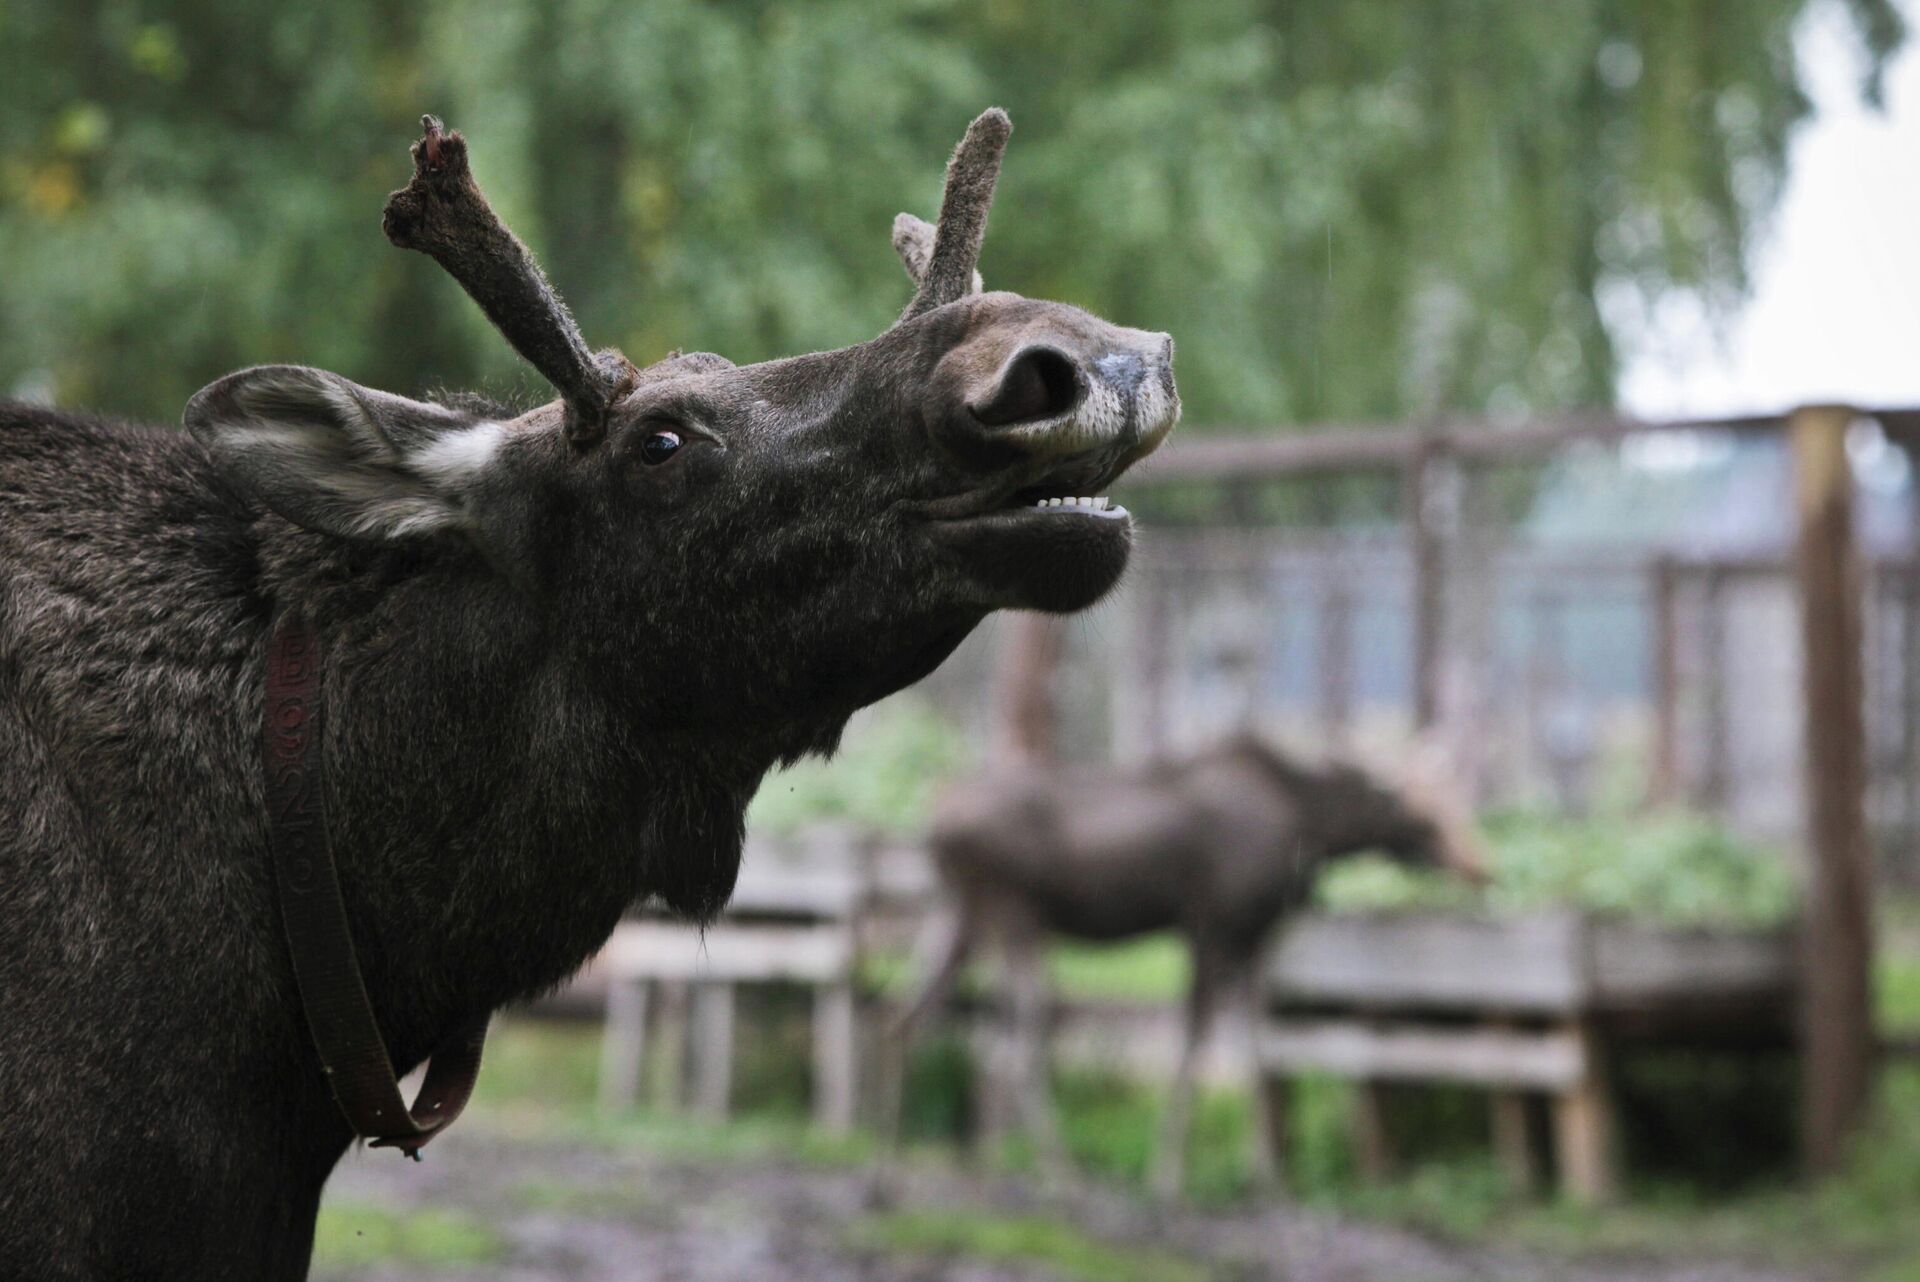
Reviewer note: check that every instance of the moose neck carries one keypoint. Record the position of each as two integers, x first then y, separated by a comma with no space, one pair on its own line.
491,807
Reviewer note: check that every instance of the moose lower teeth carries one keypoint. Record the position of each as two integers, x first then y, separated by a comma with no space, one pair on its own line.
1089,504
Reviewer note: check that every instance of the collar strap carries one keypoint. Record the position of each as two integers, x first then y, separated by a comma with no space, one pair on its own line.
332,992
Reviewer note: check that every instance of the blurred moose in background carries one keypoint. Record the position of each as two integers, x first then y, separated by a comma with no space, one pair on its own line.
1221,848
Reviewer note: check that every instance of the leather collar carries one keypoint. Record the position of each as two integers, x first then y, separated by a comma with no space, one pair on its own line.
334,996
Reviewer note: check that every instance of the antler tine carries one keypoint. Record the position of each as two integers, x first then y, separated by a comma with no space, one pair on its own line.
971,176
442,213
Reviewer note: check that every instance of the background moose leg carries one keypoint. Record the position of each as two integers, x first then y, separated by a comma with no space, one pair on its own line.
1170,1155
944,943
1265,1142
1033,1091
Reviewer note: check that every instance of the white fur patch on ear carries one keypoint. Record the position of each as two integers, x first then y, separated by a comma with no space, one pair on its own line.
342,459
455,460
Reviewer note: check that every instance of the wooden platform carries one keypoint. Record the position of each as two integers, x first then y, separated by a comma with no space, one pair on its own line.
1530,1008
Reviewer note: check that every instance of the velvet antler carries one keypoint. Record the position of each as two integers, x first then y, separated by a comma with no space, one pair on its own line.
442,213
971,174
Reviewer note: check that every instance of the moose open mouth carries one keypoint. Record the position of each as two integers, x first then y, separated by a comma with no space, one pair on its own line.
1042,551
1082,505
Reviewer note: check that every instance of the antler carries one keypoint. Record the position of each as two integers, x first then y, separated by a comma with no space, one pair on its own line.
971,176
442,213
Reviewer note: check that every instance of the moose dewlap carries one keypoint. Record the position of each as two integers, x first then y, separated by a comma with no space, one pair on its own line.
521,673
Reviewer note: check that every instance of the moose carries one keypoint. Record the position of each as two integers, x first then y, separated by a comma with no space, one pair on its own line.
342,718
1222,848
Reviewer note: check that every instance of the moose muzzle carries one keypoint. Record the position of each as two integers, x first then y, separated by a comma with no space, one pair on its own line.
1062,403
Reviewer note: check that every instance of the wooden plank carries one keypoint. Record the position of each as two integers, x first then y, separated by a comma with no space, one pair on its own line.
1525,965
1584,1133
1836,988
670,1051
661,950
712,1050
1430,480
1026,716
1374,1155
1637,965
1663,778
1553,1060
623,1044
1510,1118
770,887
1270,453
1334,662
1907,665
1716,774
836,1052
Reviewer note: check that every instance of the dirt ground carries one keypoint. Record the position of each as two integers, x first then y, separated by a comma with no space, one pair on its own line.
566,1211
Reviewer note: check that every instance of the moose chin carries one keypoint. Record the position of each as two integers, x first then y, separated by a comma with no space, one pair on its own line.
340,720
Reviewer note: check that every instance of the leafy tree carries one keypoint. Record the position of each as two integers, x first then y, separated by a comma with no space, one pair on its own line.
1341,210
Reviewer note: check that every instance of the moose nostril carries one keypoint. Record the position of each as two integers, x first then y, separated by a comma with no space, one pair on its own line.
1039,384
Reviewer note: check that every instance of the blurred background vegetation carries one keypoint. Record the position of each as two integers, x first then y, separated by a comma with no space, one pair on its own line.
1341,211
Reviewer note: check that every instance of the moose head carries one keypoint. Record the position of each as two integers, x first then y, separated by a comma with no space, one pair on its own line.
766,547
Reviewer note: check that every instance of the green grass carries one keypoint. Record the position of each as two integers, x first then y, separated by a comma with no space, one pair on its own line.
1898,976
1152,968
354,1235
537,1076
1059,1247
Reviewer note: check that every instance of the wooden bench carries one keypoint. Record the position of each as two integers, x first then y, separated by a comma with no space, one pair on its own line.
1526,1007
790,922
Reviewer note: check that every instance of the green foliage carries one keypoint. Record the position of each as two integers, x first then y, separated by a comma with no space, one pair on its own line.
356,1235
535,1072
893,758
1340,210
1897,981
1674,868
1023,1239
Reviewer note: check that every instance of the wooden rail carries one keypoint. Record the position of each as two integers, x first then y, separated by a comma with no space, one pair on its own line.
1269,454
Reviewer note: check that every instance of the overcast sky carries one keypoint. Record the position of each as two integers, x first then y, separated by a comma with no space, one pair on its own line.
1835,311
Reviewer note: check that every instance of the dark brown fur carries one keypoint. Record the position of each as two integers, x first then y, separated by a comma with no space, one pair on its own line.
555,672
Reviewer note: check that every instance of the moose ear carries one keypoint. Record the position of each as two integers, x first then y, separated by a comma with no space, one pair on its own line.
913,241
339,458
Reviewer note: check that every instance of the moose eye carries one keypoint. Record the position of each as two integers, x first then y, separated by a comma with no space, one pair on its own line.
659,446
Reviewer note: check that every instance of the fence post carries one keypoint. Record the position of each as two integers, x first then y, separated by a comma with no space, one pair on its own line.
1428,524
1026,715
1663,779
1716,776
1334,662
1836,982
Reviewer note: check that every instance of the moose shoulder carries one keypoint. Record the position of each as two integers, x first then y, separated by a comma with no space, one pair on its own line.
560,651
